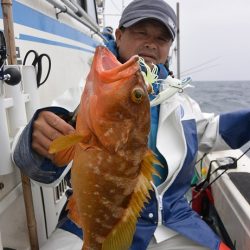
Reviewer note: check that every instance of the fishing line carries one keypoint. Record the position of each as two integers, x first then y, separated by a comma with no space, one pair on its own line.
199,65
201,159
201,69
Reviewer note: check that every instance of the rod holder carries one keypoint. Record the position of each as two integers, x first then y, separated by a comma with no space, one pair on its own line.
18,102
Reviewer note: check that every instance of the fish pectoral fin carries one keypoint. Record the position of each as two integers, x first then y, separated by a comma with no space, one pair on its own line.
63,148
64,142
64,157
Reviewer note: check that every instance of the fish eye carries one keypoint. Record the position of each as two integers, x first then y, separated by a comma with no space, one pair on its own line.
137,95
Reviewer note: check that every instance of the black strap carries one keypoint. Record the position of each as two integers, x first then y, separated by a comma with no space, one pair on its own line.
37,63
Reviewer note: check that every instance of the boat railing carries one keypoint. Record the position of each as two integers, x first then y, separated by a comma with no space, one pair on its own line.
75,11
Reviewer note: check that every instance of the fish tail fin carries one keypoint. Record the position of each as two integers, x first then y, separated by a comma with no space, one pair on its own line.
73,211
122,235
64,148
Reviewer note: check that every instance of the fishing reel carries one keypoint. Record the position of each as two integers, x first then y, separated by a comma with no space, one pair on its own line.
11,75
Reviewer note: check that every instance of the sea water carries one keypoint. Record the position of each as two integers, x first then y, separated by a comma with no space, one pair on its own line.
219,97
222,96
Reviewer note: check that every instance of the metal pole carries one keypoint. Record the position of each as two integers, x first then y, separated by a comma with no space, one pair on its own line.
123,6
30,213
178,40
9,31
12,59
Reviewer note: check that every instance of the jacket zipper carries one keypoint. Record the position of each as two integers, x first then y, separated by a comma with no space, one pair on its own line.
160,208
160,205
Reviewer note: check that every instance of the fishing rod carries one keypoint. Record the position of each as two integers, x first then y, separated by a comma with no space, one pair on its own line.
203,185
199,65
201,69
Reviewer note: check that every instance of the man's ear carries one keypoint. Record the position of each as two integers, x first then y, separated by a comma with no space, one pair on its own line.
118,35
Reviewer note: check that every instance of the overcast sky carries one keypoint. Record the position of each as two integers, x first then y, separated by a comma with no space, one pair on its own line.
214,37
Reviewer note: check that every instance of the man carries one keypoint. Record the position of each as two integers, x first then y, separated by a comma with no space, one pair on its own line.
178,130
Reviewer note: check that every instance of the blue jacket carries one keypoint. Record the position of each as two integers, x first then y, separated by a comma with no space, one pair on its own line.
178,131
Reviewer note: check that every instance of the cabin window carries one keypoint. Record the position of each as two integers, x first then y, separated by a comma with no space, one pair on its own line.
90,6
82,3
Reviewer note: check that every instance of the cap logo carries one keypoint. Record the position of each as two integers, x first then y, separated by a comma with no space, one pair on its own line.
171,23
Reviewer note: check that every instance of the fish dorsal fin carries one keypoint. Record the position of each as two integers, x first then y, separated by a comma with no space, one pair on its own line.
64,148
122,235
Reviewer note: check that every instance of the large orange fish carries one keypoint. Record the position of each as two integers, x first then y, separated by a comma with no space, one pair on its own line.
112,165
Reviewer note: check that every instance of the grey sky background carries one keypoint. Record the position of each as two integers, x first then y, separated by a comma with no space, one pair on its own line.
214,37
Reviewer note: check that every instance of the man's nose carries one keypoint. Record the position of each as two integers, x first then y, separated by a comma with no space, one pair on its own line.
150,43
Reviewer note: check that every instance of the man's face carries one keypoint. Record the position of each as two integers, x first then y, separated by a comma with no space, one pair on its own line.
149,39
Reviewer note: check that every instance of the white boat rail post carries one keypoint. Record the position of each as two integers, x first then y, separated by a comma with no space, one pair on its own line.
5,152
16,112
9,119
30,88
11,56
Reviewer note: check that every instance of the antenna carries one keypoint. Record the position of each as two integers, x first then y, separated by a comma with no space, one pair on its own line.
123,6
178,39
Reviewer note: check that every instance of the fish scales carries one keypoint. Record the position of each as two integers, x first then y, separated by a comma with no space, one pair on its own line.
112,166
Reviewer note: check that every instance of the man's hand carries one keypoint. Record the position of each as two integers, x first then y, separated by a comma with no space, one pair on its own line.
46,128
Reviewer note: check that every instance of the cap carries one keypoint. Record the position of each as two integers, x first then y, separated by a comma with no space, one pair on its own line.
159,10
